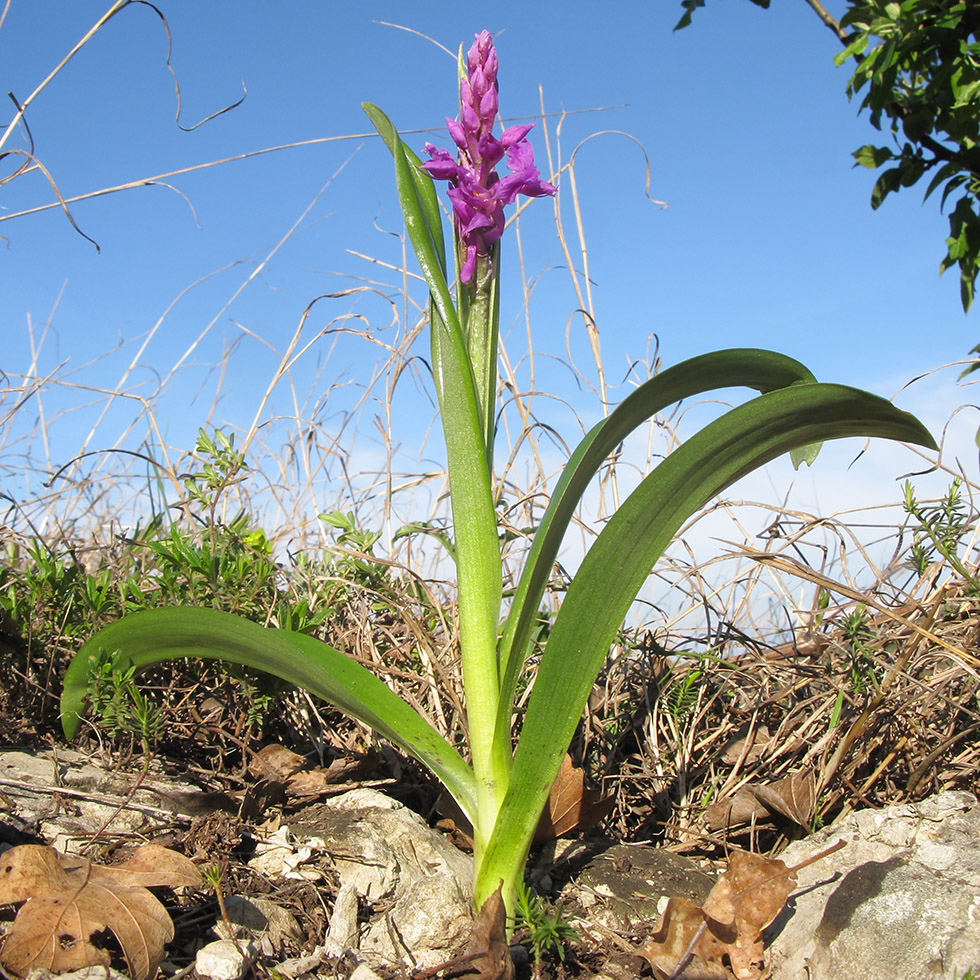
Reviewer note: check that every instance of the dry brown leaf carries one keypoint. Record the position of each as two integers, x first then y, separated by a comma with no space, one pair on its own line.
737,811
571,806
761,886
748,749
67,901
275,762
794,797
307,783
683,936
280,769
744,900
488,950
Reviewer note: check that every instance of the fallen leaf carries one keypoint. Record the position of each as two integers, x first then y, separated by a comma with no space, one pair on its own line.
67,901
794,797
275,762
761,886
737,811
284,774
488,950
683,938
748,749
571,806
693,941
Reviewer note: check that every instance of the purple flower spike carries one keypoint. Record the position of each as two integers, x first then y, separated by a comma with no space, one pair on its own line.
478,194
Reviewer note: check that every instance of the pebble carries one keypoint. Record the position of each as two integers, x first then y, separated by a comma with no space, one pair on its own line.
221,960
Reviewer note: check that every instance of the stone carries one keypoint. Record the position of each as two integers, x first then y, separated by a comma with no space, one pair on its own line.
261,918
391,858
64,796
343,920
363,972
221,960
85,973
900,900
297,966
630,883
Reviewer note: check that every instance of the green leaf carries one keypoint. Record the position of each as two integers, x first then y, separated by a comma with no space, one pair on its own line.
157,635
474,519
970,370
424,186
889,181
854,47
689,7
622,556
872,157
424,527
805,454
749,368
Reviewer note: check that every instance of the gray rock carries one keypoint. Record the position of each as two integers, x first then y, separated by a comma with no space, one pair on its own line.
221,960
65,796
363,972
85,973
392,858
900,900
260,918
343,920
630,883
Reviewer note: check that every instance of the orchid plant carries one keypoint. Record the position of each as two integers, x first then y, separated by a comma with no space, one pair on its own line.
502,788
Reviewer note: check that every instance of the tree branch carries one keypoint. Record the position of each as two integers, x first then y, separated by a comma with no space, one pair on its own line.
821,11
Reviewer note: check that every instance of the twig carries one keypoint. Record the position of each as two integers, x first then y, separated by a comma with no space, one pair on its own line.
821,11
152,811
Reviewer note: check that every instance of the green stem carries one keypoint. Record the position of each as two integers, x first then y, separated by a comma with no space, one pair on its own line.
479,572
481,317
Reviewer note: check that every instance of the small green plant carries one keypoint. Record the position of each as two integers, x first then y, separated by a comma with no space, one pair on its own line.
223,463
682,696
546,930
940,528
859,636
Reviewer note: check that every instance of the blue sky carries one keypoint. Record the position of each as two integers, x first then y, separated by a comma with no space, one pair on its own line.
768,239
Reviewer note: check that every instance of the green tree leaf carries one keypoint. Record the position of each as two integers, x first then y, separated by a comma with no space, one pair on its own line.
872,157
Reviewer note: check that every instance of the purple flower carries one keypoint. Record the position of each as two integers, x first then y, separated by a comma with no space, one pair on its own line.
478,194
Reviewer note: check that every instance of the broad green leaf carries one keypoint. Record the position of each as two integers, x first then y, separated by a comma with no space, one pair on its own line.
156,635
423,219
748,368
967,93
872,157
478,562
889,181
804,454
970,370
689,7
941,174
622,556
423,527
